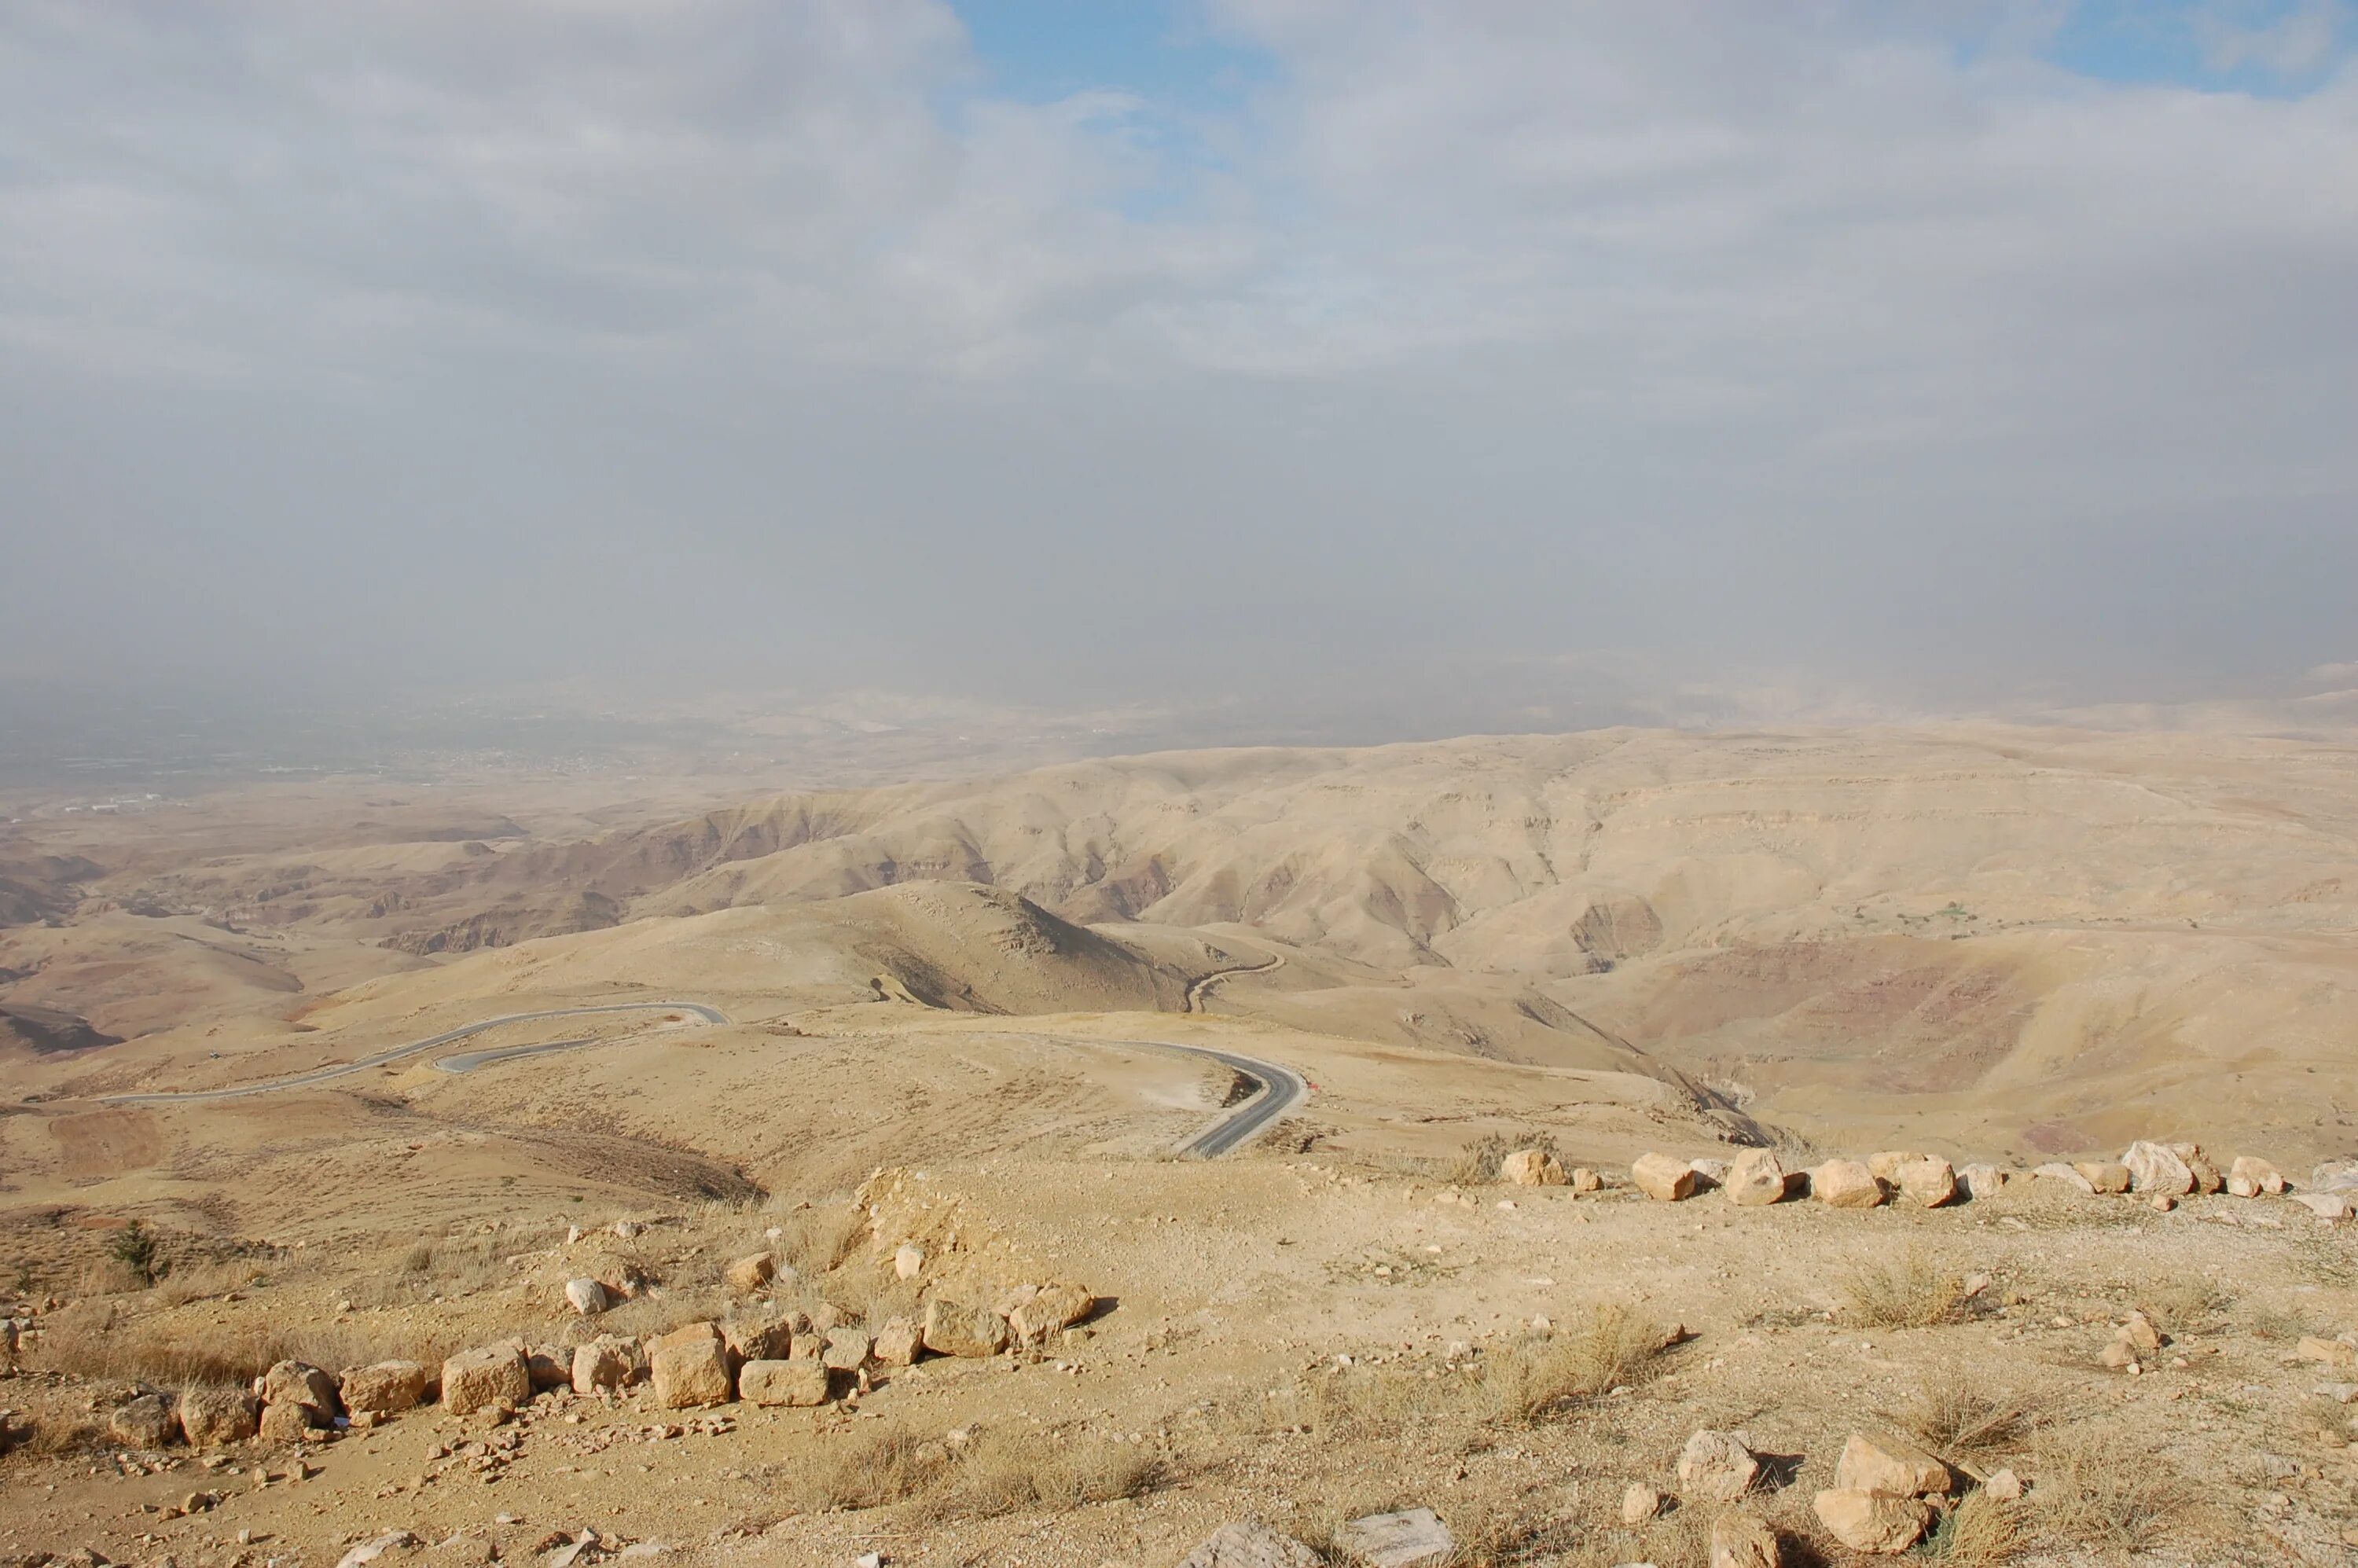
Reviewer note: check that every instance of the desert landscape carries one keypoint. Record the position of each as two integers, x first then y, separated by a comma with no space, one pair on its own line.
1629,1146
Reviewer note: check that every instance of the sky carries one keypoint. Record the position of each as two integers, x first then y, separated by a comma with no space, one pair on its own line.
1459,359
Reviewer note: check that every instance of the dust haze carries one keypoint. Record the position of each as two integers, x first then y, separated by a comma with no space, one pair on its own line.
1223,784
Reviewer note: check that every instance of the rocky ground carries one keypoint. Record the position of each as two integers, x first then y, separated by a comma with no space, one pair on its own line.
2063,1375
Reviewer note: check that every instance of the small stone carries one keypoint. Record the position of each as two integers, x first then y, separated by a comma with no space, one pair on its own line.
1663,1179
898,1342
1639,1503
1530,1168
148,1422
2331,1352
1716,1465
748,1274
385,1388
1414,1539
783,1383
690,1367
1979,1181
1756,1179
585,1296
1872,1522
2005,1485
1847,1183
489,1375
2067,1176
2140,1333
2103,1175
1928,1183
2331,1207
952,1329
2155,1168
1889,1466
1739,1540
1585,1180
1242,1545
908,1261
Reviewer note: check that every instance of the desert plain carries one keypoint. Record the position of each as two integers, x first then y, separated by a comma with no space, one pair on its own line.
1122,1150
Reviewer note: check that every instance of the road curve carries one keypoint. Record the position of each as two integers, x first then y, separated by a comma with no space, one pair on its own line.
1198,992
1278,1090
462,1063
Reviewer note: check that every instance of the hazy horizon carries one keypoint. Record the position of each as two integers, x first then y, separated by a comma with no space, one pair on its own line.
1336,365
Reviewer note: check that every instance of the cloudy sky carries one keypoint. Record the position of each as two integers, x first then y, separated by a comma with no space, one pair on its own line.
1919,352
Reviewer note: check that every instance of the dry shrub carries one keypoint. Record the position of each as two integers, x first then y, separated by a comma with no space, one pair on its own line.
1004,1472
455,1266
1910,1291
2180,1305
1478,1163
1513,1538
891,1465
1608,1347
1959,1415
660,1311
2108,1484
1368,1403
815,1239
1979,1532
171,1356
203,1281
872,1296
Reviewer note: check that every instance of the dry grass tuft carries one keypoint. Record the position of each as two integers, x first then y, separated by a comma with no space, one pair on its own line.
1959,1415
97,1346
1979,1532
2181,1304
2107,1485
815,1239
1004,1472
892,1465
1478,1163
1607,1348
1910,1291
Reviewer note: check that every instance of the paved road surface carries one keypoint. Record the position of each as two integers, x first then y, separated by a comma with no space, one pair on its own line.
1278,1089
470,1059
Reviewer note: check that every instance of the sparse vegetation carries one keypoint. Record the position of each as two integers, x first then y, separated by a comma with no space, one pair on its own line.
1980,1533
139,1253
1912,1290
1478,1163
873,1469
1958,1414
1608,1347
2180,1305
2105,1484
1002,1471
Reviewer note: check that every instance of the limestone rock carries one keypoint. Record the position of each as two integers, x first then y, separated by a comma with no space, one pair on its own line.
1980,1182
2157,1168
2206,1175
908,1261
369,1551
609,1361
1739,1540
690,1367
1871,1521
2140,1334
1244,1545
1053,1307
2119,1355
1413,1538
1885,1163
1928,1183
1709,1174
586,1296
2103,1175
146,1422
212,1417
1639,1503
486,1376
2331,1352
955,1330
1585,1180
1845,1184
388,1387
2067,1176
760,1334
288,1422
783,1383
1663,1179
1890,1467
898,1342
1756,1179
1527,1168
551,1367
1717,1464
2331,1207
300,1383
2005,1485
847,1349
2335,1177
2250,1176
748,1274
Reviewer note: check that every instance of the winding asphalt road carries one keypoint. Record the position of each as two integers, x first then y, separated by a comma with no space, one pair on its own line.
460,1063
1276,1089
